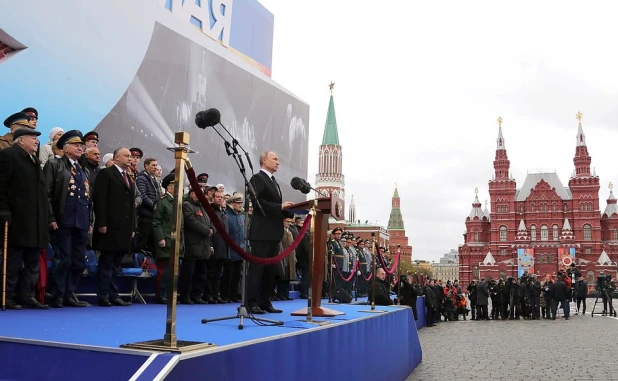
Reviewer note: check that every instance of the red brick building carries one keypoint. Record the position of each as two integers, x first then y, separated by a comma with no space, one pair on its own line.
543,223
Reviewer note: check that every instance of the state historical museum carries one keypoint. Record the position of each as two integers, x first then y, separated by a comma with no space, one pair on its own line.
542,226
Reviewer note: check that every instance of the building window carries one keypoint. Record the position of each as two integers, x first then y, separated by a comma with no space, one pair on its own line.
532,207
502,233
588,251
544,233
616,234
533,233
565,207
587,232
476,236
521,208
555,232
554,206
543,207
502,251
590,277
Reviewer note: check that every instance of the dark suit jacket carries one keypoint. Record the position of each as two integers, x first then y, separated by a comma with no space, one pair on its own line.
559,290
482,294
114,207
23,194
270,226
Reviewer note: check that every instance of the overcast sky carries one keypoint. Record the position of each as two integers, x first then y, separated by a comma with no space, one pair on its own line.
419,86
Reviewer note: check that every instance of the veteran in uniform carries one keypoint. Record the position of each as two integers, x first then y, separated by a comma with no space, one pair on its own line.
24,205
13,122
162,233
69,214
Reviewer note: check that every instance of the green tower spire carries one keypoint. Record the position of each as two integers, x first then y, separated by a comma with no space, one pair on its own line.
331,137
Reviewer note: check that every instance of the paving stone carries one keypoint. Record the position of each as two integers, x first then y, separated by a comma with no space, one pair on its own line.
578,349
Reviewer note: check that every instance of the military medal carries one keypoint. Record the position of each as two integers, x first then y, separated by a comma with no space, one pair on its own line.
72,181
71,194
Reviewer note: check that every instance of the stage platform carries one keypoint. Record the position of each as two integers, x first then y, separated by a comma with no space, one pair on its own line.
84,344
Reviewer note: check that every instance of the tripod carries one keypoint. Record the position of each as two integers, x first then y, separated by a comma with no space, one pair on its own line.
243,313
612,311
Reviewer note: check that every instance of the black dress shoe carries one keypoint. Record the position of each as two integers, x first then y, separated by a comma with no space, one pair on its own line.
219,300
234,300
161,300
34,304
11,305
104,303
256,310
271,309
72,302
304,296
57,303
199,301
120,302
210,300
185,301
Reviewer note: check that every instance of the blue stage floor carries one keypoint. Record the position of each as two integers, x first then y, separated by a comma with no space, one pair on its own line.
110,327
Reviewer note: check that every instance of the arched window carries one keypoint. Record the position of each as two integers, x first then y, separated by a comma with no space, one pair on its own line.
476,236
587,232
544,207
544,233
565,207
521,208
532,207
555,232
615,234
533,233
553,206
502,233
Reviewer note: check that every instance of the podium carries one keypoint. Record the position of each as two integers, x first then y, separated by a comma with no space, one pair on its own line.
325,207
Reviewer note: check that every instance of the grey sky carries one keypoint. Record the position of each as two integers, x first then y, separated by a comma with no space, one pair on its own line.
419,86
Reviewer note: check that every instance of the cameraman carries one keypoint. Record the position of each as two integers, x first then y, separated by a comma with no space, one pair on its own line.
472,296
574,274
581,292
535,297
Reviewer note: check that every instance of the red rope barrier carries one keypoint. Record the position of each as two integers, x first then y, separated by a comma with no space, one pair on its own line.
360,268
229,240
393,267
352,272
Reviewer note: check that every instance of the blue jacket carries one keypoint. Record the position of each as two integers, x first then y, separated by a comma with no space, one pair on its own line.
150,191
236,231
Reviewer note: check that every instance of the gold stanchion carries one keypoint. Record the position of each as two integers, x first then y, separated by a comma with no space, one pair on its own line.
170,343
373,277
4,256
398,275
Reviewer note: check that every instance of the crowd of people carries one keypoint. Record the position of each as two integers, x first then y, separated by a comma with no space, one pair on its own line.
62,196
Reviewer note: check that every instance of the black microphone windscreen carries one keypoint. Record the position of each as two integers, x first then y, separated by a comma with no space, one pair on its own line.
297,183
208,118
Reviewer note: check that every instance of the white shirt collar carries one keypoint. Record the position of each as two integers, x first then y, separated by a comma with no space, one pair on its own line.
270,175
120,169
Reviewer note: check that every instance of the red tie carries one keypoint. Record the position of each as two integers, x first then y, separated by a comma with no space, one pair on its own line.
126,179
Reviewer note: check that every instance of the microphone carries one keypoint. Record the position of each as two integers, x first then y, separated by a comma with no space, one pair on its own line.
208,118
300,185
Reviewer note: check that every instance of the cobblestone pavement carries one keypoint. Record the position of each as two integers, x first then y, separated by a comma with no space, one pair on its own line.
582,348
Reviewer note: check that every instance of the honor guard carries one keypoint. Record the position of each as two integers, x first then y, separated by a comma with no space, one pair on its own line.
33,115
335,246
136,157
162,232
68,191
362,286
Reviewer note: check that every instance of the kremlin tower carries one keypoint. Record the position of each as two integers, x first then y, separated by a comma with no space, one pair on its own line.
396,230
329,179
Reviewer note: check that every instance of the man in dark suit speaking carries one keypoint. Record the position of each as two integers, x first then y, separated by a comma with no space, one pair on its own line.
266,233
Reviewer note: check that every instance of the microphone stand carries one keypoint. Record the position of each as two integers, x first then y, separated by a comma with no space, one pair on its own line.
243,312
236,144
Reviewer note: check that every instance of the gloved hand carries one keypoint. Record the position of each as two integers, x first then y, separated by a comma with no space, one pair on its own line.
5,215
